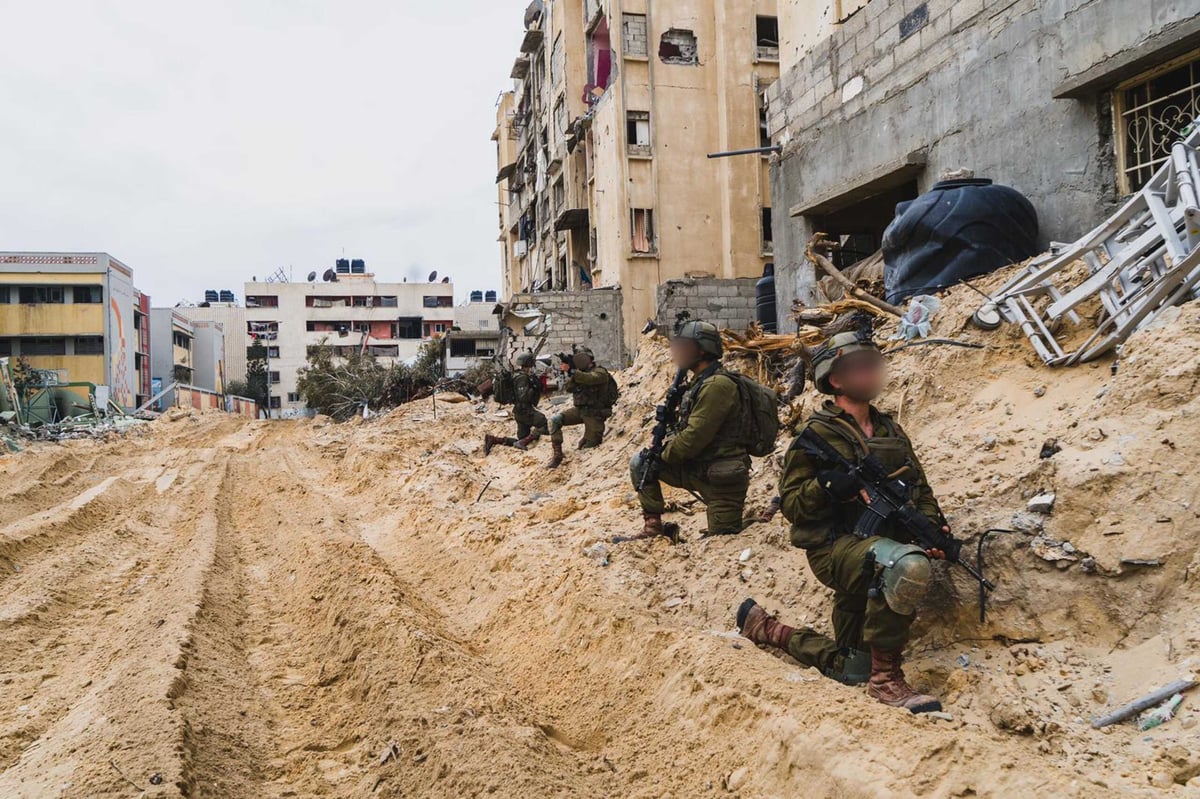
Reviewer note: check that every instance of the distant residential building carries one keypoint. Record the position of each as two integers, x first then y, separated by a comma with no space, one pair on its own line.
76,316
208,355
171,350
141,354
232,318
349,310
602,148
475,335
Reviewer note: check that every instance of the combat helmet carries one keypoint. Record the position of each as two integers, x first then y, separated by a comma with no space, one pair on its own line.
827,356
525,359
705,334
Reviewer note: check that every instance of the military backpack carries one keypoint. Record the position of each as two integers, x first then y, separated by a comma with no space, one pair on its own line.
502,387
758,430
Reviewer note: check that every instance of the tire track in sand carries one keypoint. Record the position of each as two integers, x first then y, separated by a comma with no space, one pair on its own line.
311,673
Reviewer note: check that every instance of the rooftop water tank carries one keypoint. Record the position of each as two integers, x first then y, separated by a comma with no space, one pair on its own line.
211,295
476,296
358,266
226,295
490,297
343,266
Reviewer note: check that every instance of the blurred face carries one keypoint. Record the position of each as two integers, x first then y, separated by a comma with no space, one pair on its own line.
860,376
685,353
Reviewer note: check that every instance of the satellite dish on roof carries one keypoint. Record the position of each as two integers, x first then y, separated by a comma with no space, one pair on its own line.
329,276
433,276
312,276
446,279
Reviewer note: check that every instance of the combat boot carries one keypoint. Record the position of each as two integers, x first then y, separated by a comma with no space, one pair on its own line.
490,441
762,628
557,459
528,440
887,684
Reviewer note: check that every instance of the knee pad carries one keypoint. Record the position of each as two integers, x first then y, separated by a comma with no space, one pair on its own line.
637,464
906,574
555,423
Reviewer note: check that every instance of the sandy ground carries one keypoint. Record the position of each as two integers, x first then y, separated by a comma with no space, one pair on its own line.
226,608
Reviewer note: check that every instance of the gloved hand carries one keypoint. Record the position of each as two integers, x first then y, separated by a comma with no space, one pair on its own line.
650,468
839,485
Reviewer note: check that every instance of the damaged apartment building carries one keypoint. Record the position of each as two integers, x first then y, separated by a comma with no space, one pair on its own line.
1074,103
604,177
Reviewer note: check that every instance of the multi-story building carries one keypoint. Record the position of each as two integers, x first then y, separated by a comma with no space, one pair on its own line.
141,354
75,316
602,147
231,316
172,359
208,355
475,335
350,312
1074,103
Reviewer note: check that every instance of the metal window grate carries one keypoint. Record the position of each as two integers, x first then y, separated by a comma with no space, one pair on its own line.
1153,113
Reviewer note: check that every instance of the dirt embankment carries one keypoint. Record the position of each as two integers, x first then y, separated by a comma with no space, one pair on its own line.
229,608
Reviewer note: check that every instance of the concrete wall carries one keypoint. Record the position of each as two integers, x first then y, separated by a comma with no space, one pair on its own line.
232,319
725,303
971,86
591,318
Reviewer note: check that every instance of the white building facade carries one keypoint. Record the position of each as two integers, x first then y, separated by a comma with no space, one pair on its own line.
353,312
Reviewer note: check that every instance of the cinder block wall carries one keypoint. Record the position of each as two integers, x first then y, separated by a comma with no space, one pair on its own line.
727,303
591,318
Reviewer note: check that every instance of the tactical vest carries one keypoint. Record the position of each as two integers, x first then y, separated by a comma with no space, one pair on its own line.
888,444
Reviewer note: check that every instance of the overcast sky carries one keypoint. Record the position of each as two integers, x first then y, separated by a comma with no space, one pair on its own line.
203,143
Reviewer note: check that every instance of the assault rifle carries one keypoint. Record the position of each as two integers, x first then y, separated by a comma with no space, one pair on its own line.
569,359
664,416
890,502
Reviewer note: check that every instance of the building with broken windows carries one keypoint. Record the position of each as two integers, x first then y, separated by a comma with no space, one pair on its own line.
602,145
76,318
1074,103
348,310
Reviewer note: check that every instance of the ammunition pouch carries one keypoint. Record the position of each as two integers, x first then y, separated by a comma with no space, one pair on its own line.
728,471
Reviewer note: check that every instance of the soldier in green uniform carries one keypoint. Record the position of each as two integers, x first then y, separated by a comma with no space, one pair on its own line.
877,581
592,390
704,455
531,423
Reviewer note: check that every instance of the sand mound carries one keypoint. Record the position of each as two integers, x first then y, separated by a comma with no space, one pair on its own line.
242,609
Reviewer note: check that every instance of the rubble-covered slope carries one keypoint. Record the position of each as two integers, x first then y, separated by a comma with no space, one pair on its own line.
375,609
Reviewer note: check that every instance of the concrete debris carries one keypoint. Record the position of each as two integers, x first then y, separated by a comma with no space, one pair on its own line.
1042,503
1028,523
1053,551
745,555
598,552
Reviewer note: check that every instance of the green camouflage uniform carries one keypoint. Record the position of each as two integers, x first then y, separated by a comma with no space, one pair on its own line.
836,556
588,389
704,455
527,390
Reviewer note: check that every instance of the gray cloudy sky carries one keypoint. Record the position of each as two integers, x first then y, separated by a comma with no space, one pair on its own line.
203,143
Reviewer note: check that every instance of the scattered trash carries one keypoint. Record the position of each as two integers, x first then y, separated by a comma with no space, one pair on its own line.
963,661
156,778
917,320
1147,701
1042,503
1161,714
940,715
745,555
